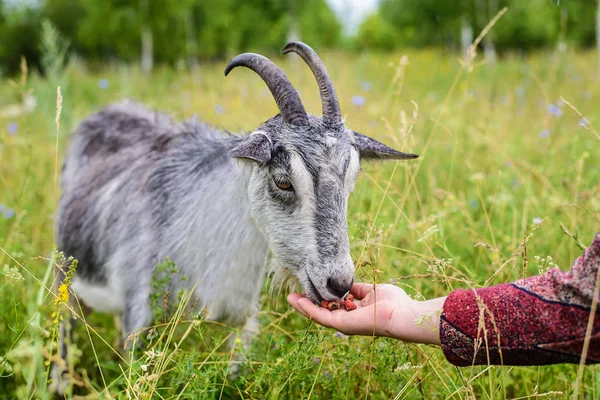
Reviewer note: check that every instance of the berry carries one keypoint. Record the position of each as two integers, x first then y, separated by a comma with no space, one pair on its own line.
347,303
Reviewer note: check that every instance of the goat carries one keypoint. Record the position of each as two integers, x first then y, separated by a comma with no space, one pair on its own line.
138,188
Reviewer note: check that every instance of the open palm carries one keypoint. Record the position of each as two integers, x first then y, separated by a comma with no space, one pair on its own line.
382,310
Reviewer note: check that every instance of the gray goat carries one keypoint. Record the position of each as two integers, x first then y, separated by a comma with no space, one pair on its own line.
138,188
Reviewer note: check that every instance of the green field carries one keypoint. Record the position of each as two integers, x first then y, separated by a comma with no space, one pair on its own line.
494,163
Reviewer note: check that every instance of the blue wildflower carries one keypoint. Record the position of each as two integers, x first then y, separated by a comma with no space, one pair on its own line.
520,91
340,335
366,86
545,134
583,123
555,110
515,183
326,374
358,101
473,204
316,360
12,128
9,213
219,109
103,83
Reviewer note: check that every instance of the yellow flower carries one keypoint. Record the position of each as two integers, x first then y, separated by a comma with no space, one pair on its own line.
63,294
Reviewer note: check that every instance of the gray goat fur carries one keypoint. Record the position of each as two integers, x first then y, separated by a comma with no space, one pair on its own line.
138,188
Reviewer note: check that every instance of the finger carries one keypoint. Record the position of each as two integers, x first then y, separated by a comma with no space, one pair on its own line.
293,299
360,290
356,322
348,322
318,314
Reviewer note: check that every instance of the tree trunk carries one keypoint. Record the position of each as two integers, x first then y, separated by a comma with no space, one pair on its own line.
489,47
485,11
191,40
147,56
489,51
466,34
293,31
147,49
598,34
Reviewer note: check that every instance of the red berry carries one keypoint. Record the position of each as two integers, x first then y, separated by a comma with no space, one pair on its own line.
349,297
349,305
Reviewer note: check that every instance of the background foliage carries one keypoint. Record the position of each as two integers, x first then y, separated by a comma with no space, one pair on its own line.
503,156
188,31
500,154
530,24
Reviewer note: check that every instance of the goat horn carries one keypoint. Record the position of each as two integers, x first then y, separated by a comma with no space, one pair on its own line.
287,98
332,115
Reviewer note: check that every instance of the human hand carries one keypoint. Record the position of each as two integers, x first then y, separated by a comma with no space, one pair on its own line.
382,310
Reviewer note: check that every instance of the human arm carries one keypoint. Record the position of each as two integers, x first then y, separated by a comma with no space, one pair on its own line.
382,310
533,321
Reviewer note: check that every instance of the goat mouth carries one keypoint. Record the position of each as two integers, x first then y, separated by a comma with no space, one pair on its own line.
314,290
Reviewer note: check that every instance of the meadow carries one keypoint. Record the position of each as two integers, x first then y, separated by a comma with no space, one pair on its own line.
507,184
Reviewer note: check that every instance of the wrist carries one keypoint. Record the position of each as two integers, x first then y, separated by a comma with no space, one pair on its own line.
421,322
431,312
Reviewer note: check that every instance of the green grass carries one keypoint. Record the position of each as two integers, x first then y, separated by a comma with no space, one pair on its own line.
484,177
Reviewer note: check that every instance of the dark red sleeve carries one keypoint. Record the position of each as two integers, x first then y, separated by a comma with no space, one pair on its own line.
534,321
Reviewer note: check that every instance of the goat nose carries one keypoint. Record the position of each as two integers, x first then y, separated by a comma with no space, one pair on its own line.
339,287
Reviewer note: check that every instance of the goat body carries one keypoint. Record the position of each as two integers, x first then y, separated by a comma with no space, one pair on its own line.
138,188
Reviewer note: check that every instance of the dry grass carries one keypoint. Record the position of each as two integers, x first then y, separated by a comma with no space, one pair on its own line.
496,160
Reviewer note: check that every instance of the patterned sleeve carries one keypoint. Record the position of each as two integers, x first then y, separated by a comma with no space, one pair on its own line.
534,321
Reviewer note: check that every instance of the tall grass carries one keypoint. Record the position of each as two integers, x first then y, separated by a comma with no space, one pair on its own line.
506,168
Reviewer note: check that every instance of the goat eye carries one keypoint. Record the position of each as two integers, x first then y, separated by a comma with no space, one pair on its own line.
283,184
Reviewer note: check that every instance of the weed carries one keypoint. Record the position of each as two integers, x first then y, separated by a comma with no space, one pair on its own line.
464,210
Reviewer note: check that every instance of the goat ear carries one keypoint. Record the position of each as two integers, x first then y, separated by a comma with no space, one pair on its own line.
370,148
256,147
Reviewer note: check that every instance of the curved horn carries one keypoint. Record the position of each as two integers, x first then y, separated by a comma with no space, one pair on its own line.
332,114
287,98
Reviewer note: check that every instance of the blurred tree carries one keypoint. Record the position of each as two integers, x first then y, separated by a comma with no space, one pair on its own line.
426,22
528,24
484,11
171,30
19,30
65,15
106,29
232,26
318,24
598,33
132,29
377,33
580,27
